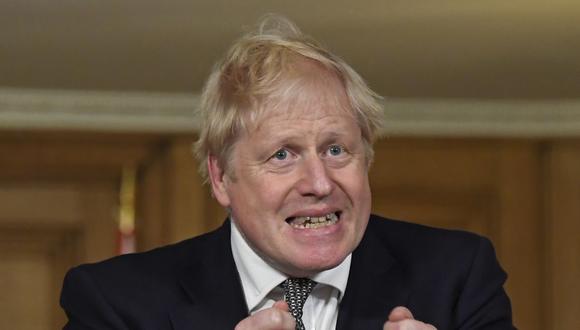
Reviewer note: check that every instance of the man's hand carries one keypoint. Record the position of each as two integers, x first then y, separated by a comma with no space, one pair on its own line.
401,318
276,317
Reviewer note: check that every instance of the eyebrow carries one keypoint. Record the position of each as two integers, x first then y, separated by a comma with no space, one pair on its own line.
334,135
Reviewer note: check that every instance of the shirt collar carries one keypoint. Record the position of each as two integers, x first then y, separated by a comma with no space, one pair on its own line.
259,278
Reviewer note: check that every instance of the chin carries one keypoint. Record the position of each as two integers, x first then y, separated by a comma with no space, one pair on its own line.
302,268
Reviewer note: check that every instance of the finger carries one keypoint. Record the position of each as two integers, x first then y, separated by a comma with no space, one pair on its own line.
275,318
407,324
281,305
400,313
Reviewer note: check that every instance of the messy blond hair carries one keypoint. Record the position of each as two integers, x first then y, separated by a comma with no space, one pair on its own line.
252,71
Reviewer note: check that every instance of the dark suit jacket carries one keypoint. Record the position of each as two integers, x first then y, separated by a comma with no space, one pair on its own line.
450,279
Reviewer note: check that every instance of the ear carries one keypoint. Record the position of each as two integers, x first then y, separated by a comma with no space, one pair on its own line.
218,180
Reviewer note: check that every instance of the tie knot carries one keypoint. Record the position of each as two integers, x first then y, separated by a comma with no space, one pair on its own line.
296,290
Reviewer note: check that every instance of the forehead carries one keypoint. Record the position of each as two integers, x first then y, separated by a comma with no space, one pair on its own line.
304,120
309,91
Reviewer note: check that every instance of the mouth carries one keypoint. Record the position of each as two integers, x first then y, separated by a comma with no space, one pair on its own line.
313,222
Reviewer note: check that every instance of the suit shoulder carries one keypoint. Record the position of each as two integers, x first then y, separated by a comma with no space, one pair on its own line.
454,277
115,290
139,289
156,263
387,225
410,241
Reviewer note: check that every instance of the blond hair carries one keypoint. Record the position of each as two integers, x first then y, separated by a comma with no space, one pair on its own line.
253,70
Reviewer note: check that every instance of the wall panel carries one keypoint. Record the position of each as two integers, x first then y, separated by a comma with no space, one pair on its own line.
490,187
521,193
563,235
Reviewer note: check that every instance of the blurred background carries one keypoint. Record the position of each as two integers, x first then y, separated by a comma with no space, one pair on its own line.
96,125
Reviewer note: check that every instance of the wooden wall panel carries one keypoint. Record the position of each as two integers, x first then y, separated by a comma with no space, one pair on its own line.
490,187
523,194
61,199
152,202
38,246
519,243
563,236
188,211
174,202
78,156
58,208
25,283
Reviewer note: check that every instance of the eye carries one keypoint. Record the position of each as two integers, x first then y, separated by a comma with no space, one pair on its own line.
335,150
281,154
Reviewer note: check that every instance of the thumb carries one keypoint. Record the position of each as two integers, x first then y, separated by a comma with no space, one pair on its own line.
400,313
282,305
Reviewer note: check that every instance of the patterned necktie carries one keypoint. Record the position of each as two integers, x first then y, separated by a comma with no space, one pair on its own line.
296,290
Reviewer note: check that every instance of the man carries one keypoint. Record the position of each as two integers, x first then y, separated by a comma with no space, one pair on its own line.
287,137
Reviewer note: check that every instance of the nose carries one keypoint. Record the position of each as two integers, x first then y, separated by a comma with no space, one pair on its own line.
314,178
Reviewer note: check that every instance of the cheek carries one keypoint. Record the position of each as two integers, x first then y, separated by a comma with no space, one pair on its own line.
366,198
355,182
259,197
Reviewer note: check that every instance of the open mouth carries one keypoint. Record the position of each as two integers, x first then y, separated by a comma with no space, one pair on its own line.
314,222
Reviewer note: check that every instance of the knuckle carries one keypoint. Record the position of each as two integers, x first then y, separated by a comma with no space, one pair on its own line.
408,324
276,317
391,326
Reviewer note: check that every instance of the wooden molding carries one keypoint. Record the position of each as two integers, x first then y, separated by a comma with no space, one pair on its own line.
97,111
23,109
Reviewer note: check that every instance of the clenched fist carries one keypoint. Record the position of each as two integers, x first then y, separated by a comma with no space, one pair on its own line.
276,317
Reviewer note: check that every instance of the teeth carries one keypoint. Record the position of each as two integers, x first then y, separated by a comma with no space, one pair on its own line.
314,222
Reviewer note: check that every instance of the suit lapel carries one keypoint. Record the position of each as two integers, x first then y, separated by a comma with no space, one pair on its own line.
377,283
213,287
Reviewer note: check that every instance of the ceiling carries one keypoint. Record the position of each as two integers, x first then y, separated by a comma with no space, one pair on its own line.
518,49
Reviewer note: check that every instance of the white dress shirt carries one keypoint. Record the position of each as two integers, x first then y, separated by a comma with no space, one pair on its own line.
260,283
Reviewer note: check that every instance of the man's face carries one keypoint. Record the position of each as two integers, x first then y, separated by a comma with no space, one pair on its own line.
299,192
